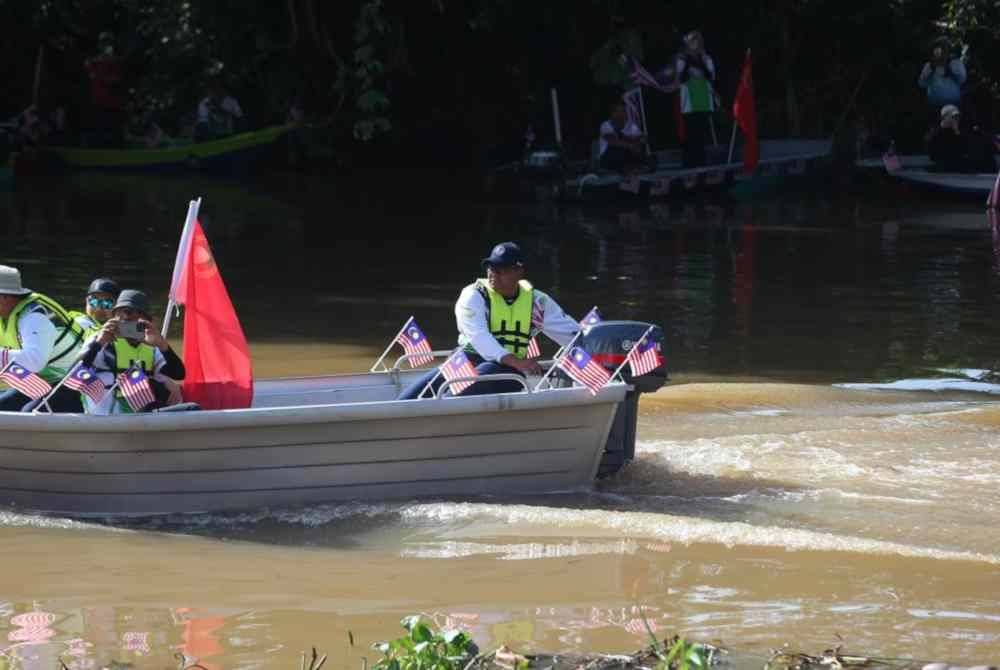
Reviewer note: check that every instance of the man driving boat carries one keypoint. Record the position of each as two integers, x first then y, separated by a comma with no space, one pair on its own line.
496,317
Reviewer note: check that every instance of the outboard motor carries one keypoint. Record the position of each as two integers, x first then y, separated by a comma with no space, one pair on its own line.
608,342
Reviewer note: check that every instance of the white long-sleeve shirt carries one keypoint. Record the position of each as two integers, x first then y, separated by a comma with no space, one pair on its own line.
474,328
38,336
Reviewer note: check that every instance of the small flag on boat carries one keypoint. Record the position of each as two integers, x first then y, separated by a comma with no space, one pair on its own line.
85,380
579,365
644,356
136,389
642,77
25,381
413,342
593,317
993,199
534,349
891,161
458,365
633,108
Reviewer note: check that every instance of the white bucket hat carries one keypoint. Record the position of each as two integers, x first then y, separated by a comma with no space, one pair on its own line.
10,281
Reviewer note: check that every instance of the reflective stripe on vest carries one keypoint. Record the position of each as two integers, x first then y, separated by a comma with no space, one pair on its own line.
509,324
126,355
69,334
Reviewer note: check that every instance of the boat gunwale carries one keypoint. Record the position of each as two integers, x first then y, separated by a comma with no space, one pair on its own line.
291,415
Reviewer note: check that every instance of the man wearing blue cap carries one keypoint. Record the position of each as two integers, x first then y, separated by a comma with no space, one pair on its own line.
497,316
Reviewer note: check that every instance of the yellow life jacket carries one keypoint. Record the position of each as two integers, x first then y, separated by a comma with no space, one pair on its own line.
88,324
69,333
510,323
126,356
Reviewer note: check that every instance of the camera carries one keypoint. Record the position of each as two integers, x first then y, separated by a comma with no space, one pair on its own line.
132,330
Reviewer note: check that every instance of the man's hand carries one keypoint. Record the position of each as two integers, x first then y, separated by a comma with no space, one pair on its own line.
153,337
109,331
525,366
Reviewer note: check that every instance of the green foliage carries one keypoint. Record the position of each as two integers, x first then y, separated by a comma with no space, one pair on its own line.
678,653
424,649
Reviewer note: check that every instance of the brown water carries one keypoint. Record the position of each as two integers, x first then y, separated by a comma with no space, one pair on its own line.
811,475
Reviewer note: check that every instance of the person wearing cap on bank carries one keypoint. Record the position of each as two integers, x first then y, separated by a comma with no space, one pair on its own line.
497,316
110,354
38,334
101,296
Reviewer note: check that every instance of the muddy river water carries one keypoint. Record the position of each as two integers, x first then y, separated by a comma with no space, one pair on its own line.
823,469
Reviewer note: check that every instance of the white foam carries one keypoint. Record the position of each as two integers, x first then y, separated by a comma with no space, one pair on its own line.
937,385
684,530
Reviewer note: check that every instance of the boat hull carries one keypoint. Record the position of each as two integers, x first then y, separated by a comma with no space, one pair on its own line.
270,455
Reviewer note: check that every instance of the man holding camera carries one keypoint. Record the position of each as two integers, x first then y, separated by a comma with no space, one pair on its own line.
130,338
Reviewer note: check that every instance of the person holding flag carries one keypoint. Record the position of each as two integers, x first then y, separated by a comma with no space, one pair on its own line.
497,317
696,74
38,343
116,352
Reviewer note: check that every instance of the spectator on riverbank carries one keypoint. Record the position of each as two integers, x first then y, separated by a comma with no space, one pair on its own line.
696,76
621,142
953,150
106,115
942,78
219,114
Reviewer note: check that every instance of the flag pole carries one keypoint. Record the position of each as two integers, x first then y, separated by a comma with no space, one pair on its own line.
732,142
555,116
555,361
642,115
389,348
629,354
180,262
44,402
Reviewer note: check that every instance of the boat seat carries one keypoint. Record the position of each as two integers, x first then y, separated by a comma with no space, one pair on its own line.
180,407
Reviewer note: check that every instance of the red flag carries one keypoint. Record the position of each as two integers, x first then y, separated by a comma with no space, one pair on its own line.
745,114
216,355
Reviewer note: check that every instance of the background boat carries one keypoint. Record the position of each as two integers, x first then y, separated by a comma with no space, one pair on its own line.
918,170
223,154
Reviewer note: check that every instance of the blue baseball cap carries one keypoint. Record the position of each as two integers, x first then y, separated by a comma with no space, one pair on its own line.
504,255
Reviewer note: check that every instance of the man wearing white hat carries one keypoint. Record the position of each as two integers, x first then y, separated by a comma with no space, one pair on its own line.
37,333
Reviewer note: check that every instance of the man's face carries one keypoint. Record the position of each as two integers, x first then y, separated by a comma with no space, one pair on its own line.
618,115
99,306
127,314
504,280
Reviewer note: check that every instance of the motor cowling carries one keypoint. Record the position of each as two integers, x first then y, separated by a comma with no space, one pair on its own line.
608,342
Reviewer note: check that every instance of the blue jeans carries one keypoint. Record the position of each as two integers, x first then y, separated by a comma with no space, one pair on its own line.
412,392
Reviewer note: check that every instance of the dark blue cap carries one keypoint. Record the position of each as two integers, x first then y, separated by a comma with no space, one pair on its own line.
103,285
504,255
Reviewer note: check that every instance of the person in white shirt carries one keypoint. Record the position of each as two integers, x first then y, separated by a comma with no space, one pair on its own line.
219,114
496,317
36,334
621,143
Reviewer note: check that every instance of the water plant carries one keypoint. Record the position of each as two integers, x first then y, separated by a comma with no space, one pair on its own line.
423,648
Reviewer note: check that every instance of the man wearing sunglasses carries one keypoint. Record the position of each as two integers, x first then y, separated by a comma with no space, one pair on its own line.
100,300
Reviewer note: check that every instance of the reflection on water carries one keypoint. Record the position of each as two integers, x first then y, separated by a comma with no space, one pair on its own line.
802,286
765,504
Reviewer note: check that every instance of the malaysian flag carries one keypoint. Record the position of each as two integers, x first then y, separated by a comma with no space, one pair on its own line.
633,108
993,199
580,366
534,349
642,77
891,161
136,389
414,341
593,318
458,365
644,357
85,380
25,381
